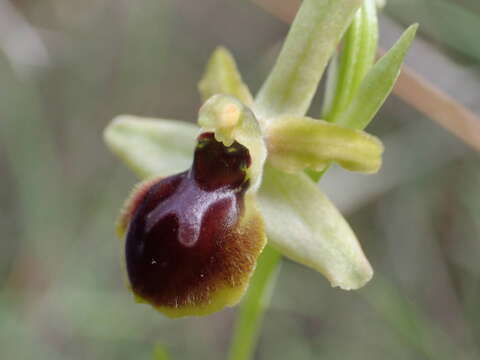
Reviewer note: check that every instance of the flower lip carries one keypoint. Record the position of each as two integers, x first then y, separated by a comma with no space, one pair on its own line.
186,237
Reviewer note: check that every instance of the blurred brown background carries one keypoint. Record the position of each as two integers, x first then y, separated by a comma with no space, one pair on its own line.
68,67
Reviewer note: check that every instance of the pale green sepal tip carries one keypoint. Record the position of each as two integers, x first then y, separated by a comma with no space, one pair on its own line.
298,143
152,147
222,77
311,41
378,84
305,226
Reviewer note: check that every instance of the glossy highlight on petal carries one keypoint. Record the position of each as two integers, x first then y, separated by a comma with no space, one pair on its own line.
193,238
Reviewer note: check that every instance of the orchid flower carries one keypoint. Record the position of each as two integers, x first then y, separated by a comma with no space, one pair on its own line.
215,194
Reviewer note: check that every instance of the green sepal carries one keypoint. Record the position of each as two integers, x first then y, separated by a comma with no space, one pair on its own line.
305,226
222,77
297,143
152,147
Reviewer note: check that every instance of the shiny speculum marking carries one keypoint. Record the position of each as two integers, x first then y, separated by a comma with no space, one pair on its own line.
186,240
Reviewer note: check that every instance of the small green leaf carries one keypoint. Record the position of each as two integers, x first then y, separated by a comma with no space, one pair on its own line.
313,37
378,84
305,226
223,77
297,143
357,57
152,147
368,44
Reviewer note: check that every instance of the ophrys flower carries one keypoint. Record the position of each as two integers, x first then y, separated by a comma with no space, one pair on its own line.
215,193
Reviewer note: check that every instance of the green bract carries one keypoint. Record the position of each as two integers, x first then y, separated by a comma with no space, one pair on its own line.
300,221
350,67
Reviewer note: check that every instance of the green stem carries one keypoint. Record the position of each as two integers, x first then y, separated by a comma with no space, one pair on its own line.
254,305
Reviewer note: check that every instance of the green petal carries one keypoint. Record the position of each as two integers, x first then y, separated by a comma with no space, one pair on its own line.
223,77
293,81
306,227
152,147
377,85
297,143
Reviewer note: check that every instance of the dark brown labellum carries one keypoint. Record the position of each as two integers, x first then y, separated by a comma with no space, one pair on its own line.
193,238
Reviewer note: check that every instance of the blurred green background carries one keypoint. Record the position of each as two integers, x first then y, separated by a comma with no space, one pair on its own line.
68,67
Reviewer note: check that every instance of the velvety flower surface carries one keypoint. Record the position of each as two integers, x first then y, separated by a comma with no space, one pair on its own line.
215,193
193,238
